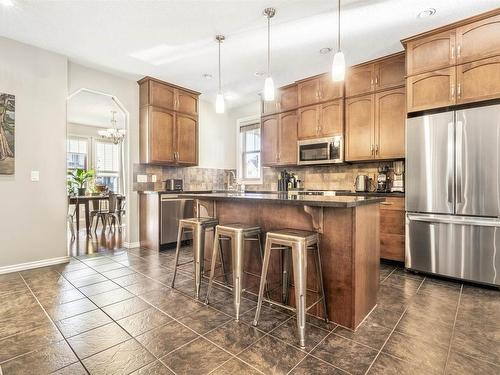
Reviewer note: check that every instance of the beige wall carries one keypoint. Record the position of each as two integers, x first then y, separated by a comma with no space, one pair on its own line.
33,214
127,92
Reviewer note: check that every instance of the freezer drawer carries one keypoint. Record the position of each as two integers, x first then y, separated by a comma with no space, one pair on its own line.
455,246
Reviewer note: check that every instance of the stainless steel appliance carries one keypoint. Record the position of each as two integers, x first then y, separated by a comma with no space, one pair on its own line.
172,209
362,183
398,184
321,150
173,184
453,194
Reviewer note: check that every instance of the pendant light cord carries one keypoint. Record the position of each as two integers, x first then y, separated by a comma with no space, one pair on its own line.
220,85
268,45
338,33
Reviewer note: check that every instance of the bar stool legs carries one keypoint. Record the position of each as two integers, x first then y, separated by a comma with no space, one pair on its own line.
177,249
198,254
298,243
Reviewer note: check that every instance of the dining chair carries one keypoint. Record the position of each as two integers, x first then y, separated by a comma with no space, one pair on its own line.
70,218
111,214
121,203
98,211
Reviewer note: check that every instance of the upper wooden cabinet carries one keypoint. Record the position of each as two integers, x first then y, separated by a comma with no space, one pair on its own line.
321,120
431,90
319,89
168,125
478,80
469,40
279,139
390,119
164,95
286,99
430,53
380,74
375,126
478,40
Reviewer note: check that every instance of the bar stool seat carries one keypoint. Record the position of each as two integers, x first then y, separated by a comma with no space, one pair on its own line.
237,233
294,243
197,225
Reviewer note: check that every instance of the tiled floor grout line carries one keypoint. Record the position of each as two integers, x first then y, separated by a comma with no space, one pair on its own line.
390,273
453,329
394,328
54,324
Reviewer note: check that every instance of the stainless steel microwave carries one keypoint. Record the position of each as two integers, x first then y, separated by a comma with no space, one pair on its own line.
321,150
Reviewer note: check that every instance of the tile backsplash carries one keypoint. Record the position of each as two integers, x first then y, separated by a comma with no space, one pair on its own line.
332,177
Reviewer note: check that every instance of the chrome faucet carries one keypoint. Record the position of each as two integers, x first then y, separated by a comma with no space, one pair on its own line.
232,183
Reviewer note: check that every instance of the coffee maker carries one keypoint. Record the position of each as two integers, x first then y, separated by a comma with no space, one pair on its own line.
383,179
398,184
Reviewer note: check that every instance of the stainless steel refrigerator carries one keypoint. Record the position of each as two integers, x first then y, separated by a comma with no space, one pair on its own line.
453,194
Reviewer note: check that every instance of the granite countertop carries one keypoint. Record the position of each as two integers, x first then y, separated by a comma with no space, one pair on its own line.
371,194
306,200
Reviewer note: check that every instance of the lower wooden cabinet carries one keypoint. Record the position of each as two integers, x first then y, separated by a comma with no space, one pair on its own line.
279,139
392,229
375,126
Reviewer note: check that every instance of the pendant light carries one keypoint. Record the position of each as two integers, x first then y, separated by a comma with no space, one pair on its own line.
268,83
338,65
219,100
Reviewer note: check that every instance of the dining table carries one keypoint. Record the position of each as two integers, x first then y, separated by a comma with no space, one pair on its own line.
85,200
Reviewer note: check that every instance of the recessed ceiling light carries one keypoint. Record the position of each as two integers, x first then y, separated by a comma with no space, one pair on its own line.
325,50
7,3
259,74
208,76
427,13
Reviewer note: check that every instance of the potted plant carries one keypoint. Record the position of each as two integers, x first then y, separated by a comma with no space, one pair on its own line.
79,177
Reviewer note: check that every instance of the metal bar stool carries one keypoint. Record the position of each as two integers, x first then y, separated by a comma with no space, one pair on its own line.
237,234
298,242
197,225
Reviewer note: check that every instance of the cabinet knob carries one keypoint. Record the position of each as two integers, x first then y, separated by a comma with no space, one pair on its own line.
452,91
459,50
459,90
452,52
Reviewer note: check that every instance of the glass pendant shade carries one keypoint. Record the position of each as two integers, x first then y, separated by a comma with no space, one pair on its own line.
338,66
269,89
219,103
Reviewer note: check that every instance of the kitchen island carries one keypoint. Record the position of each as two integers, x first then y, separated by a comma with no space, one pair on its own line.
349,241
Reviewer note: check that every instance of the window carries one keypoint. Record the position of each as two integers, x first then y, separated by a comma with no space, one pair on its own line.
107,160
77,155
249,167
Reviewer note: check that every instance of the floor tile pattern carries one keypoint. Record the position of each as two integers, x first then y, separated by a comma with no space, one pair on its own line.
114,312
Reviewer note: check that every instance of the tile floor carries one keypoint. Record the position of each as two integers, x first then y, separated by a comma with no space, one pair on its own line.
114,313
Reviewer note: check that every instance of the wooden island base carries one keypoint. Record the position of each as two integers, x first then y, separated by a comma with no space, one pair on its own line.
349,249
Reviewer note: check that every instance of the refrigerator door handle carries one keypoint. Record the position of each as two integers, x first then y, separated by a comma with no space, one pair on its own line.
460,220
458,161
449,165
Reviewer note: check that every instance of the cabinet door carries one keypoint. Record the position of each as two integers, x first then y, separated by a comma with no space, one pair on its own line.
308,92
478,40
287,153
331,118
308,122
390,73
187,139
360,80
330,90
359,117
186,102
392,229
288,98
431,90
430,53
479,80
390,119
161,95
270,136
161,135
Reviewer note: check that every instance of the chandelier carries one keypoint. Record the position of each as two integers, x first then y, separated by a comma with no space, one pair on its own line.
113,134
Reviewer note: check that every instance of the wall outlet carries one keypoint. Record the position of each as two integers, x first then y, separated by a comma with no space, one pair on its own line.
153,178
142,178
35,176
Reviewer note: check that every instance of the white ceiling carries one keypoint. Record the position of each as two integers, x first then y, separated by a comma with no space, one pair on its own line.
177,36
94,109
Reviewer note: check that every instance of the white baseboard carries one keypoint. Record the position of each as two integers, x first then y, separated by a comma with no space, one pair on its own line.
35,264
131,245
